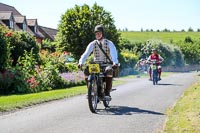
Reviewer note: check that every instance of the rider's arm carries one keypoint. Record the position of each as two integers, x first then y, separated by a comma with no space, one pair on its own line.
149,58
87,52
113,52
161,58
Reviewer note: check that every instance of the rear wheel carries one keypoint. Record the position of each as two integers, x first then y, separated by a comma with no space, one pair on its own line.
92,95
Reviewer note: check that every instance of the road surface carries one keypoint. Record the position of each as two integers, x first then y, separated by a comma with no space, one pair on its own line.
136,107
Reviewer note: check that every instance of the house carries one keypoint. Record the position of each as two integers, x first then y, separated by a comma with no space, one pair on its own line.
14,20
33,26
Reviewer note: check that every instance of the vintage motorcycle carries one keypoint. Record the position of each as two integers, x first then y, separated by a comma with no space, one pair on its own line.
96,86
154,71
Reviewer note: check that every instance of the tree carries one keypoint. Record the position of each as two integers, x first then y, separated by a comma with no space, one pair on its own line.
190,29
76,28
198,30
166,30
126,29
182,30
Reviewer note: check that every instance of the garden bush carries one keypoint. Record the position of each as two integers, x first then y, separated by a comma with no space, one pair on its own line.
20,42
4,56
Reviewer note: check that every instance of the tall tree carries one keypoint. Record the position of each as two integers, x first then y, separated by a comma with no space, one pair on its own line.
76,28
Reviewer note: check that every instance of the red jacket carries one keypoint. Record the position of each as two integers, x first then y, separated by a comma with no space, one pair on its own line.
155,57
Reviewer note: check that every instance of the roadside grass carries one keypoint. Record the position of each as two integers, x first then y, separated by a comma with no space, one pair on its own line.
14,102
184,117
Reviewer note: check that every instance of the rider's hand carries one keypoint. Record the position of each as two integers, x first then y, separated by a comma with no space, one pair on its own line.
79,66
115,66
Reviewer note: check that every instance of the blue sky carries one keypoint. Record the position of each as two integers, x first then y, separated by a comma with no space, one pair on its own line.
131,14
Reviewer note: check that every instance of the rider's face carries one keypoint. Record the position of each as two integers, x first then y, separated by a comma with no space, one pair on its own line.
154,52
98,35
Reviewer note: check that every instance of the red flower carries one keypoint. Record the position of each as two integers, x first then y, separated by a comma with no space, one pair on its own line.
9,34
32,82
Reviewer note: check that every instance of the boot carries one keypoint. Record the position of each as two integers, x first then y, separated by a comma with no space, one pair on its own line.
159,74
150,78
86,81
108,86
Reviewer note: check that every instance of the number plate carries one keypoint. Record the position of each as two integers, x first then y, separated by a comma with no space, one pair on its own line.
94,68
154,67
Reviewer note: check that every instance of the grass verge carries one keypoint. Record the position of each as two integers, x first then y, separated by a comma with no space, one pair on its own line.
13,102
184,117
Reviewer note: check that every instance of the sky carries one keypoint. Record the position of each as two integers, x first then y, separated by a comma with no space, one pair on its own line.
131,14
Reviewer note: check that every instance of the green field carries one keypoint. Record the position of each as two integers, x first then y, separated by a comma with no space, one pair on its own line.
164,36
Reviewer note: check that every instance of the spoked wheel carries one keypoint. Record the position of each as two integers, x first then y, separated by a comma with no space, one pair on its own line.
155,79
105,102
92,96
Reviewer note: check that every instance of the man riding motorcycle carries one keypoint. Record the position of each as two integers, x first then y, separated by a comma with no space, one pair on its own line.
159,59
99,56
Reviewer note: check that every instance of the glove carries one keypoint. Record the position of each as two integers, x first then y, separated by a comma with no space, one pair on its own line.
79,66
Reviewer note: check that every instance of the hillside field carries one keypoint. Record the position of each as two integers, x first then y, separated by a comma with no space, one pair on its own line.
164,36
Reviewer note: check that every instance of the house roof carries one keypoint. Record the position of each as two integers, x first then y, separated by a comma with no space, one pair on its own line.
49,33
4,7
19,18
16,27
2,23
31,22
5,15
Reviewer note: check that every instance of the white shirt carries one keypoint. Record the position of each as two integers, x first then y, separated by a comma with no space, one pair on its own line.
90,47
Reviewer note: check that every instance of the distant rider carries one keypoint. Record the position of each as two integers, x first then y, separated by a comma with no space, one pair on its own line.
141,65
159,59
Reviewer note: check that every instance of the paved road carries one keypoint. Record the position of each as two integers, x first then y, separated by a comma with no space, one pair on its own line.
137,107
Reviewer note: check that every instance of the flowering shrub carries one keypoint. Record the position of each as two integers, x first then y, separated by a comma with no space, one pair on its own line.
32,82
9,34
23,70
73,77
127,58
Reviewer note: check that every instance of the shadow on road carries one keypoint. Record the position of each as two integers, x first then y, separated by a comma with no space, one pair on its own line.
169,84
124,110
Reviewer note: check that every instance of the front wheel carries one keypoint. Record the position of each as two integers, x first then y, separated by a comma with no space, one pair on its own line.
92,95
105,102
155,78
